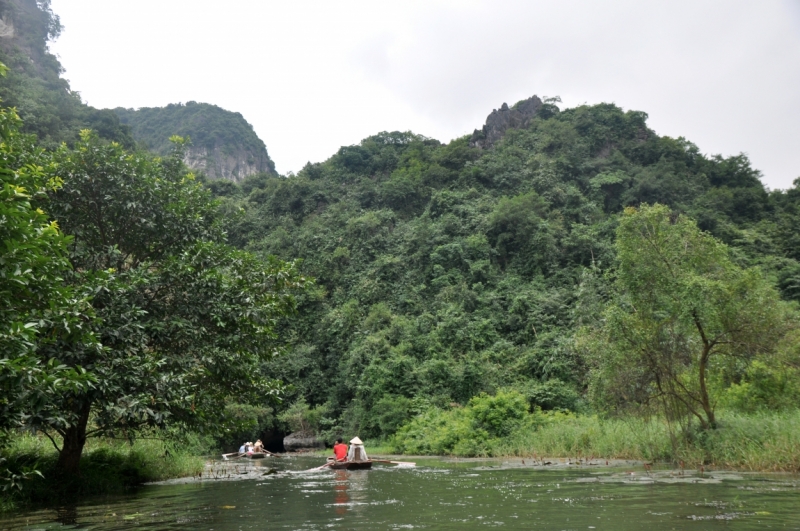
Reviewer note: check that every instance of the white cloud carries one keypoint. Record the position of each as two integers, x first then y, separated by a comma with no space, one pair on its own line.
312,76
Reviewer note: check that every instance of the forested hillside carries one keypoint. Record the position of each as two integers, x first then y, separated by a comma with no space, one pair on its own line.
33,84
445,270
223,144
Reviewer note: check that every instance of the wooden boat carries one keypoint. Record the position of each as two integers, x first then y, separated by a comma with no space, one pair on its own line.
351,465
357,465
253,455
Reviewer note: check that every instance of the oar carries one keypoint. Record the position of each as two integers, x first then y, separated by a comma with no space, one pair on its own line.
273,455
319,467
393,462
237,454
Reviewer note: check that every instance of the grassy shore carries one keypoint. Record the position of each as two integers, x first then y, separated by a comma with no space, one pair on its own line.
108,466
763,442
768,441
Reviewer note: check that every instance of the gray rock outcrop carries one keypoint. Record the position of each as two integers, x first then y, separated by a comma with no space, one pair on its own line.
503,119
302,441
226,163
223,144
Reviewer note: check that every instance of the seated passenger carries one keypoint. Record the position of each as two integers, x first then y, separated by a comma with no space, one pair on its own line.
340,450
357,453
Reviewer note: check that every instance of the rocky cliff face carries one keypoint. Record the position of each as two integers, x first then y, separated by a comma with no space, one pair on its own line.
500,120
222,162
223,144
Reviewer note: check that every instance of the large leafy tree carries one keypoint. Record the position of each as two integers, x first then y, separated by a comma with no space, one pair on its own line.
184,320
35,304
682,309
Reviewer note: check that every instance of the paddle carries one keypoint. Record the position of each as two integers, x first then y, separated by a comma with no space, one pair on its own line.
393,462
273,455
319,467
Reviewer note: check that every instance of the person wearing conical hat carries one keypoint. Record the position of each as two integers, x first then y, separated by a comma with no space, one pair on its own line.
357,453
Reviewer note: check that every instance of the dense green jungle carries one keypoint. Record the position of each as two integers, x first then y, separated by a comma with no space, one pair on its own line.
445,271
566,283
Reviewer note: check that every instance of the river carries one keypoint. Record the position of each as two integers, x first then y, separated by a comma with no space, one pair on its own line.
439,494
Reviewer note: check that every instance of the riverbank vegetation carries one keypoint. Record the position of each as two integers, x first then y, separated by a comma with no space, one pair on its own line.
765,441
108,466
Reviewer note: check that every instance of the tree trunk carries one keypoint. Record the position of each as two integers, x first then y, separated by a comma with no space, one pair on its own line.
704,400
74,439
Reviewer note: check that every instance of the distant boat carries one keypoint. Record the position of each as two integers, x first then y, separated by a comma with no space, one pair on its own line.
249,455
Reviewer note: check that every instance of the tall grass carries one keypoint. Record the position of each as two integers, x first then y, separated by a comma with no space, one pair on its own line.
767,441
755,441
107,466
586,436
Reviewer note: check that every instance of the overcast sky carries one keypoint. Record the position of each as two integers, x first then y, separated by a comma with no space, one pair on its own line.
313,76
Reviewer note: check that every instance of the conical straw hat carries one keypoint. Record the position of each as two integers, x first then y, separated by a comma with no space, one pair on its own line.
356,441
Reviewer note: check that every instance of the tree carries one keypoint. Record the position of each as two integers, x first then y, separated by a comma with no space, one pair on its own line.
681,308
33,296
184,320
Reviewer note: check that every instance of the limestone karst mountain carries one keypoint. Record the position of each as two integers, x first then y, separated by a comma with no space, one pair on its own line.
223,143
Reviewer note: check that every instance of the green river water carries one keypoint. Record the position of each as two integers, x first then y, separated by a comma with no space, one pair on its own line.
439,494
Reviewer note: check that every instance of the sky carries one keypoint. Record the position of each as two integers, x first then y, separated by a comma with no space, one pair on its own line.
313,76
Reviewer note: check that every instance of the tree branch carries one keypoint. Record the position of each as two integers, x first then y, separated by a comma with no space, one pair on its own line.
51,440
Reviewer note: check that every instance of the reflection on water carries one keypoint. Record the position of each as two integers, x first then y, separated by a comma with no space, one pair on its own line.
67,515
340,500
441,494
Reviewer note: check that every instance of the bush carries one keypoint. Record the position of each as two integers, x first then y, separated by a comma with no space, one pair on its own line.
498,415
441,432
763,388
468,431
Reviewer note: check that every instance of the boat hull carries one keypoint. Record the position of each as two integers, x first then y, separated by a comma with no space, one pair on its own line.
256,456
352,465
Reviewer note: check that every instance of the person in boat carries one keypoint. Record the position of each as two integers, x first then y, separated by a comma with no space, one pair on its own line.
258,447
357,453
249,448
340,450
243,448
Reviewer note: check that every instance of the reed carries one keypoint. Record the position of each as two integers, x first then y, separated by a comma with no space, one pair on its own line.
766,441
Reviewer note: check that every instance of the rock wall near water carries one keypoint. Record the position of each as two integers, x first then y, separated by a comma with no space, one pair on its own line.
302,441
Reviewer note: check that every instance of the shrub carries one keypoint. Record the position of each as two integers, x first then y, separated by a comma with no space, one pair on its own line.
469,431
498,415
302,418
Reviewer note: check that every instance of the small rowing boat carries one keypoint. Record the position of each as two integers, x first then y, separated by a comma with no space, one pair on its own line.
249,455
351,465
